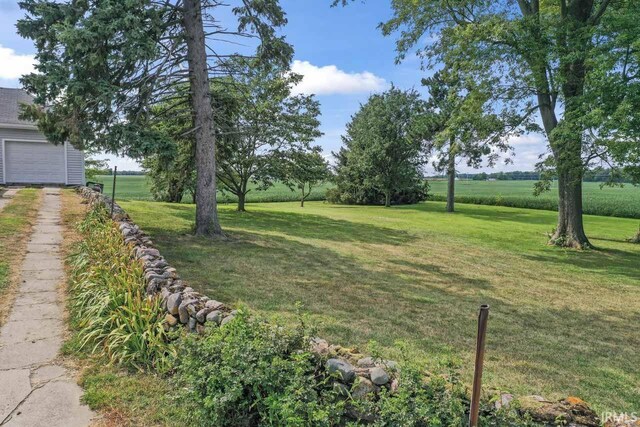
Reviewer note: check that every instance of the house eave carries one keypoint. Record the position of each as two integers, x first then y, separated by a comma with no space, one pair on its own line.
18,126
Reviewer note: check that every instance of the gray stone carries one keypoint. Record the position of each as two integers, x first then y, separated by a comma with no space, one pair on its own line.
214,317
504,401
192,309
319,346
201,316
345,369
227,319
366,362
379,376
362,387
192,323
183,313
213,304
173,303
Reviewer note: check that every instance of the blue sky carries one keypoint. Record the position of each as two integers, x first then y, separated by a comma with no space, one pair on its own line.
341,53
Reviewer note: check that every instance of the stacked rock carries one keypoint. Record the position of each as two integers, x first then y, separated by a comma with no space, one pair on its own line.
182,304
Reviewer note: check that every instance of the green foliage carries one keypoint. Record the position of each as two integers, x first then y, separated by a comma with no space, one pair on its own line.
109,307
463,123
171,167
261,122
382,157
304,170
250,372
94,168
124,80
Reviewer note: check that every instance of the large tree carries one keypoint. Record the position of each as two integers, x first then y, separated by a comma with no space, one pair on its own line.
463,124
264,122
576,62
103,64
383,152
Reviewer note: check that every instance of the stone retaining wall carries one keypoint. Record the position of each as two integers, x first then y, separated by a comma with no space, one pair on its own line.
357,372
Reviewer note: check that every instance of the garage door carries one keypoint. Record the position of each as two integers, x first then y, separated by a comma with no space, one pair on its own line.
34,163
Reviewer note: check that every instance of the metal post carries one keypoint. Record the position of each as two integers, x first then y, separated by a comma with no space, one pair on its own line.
483,316
113,190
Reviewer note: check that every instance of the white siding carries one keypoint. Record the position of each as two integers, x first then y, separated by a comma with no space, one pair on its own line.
75,165
27,162
16,134
32,162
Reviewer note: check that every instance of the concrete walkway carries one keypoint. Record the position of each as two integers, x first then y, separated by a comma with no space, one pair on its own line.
35,389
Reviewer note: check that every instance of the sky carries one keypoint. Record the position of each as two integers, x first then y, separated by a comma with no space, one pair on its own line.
341,53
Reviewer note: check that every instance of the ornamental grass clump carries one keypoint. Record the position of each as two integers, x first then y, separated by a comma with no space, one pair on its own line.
109,307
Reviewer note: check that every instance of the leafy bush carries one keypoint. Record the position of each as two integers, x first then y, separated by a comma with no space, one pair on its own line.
350,193
108,306
251,372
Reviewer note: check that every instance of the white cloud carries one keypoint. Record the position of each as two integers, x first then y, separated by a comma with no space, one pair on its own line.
14,65
329,79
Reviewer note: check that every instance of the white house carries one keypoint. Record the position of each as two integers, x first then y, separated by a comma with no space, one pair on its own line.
26,157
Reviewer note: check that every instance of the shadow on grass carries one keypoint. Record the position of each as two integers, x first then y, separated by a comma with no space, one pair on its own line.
301,225
604,260
488,212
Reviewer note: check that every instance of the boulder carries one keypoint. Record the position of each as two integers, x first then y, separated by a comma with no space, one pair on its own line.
214,317
173,303
379,376
171,320
362,387
345,369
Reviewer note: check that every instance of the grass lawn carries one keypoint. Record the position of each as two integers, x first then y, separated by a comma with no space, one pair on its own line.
562,322
616,201
15,219
136,187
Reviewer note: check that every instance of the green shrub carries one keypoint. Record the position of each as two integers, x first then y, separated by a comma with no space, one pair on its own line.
108,305
350,193
251,372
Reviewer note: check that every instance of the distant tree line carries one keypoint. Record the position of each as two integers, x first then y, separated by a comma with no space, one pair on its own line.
591,175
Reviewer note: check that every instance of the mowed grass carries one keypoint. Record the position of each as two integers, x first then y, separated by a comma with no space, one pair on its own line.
562,322
15,218
609,201
136,187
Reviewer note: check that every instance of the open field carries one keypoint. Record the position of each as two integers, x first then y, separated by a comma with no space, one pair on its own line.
562,322
622,202
136,187
608,201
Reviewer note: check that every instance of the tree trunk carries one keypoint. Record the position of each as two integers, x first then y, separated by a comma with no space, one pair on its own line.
241,201
242,194
207,223
387,199
570,229
302,199
451,186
